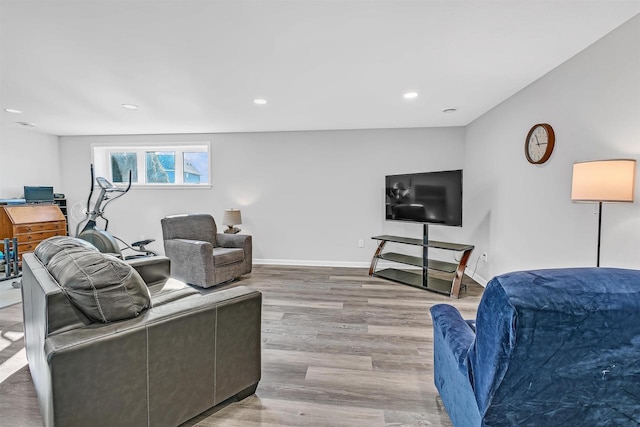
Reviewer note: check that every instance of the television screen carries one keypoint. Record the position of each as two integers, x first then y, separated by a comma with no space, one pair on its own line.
38,194
429,197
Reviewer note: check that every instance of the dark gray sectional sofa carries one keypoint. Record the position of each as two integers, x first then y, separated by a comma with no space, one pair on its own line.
161,366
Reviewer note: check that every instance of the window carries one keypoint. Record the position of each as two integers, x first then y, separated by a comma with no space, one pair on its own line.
121,165
154,165
195,167
161,167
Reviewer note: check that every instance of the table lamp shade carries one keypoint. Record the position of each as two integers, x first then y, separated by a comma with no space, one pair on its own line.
603,181
232,217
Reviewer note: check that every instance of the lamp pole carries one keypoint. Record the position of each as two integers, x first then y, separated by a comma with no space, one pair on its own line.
599,228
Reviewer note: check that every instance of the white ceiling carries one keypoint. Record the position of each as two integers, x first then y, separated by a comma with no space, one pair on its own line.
196,66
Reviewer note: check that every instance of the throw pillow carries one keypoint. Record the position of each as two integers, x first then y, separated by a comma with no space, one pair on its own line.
102,286
51,246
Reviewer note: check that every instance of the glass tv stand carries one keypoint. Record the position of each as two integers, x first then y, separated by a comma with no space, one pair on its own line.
449,279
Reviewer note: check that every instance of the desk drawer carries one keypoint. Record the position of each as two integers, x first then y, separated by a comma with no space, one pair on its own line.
37,227
32,240
38,237
26,247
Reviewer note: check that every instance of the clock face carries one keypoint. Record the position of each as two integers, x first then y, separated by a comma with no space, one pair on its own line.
539,143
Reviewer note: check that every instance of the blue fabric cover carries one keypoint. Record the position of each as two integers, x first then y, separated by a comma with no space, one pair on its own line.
453,336
552,347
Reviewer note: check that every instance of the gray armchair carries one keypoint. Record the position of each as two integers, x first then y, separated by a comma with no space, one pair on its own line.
200,255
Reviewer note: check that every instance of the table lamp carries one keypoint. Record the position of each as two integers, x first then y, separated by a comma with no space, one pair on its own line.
230,218
603,181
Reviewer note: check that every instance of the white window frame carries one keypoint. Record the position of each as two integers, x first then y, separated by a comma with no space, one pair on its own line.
101,159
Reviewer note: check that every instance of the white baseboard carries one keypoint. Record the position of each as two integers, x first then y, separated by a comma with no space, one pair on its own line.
481,280
310,263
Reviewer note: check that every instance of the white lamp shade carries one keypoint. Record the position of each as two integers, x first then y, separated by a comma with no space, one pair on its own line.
232,217
604,181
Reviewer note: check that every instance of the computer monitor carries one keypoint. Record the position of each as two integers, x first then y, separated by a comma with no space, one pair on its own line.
39,194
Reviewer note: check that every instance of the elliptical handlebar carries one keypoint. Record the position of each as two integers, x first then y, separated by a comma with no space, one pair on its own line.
105,184
90,191
108,186
103,200
128,186
88,211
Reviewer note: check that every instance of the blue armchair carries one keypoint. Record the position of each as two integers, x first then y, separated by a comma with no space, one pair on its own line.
548,348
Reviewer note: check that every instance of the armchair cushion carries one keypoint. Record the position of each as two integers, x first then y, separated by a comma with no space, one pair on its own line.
101,286
224,256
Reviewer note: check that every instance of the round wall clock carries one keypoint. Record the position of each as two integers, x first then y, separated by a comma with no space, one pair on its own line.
539,143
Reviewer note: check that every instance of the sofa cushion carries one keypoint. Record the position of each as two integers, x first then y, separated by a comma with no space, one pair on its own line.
51,246
101,286
170,290
225,256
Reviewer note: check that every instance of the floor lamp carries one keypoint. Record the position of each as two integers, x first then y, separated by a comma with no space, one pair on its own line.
603,181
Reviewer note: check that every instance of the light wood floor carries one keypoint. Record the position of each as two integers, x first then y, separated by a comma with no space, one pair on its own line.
339,349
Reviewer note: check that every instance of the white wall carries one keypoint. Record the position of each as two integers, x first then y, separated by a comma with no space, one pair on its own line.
27,158
306,197
522,214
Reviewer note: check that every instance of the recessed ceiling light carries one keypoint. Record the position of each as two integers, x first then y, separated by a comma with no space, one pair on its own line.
12,110
130,106
26,124
260,101
450,110
410,95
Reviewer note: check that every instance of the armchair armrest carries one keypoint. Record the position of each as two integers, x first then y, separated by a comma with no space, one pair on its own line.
457,333
242,241
192,260
233,240
453,339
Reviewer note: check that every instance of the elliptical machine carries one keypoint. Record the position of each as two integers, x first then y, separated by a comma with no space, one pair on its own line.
101,238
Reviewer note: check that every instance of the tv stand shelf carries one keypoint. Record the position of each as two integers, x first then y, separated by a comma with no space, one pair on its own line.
423,278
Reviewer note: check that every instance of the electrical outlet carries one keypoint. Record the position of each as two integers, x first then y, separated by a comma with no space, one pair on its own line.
361,243
484,257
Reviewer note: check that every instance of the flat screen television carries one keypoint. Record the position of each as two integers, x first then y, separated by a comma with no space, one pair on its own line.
38,194
428,197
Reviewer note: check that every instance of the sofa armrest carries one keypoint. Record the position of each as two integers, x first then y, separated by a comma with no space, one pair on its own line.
153,269
242,241
202,348
457,333
191,260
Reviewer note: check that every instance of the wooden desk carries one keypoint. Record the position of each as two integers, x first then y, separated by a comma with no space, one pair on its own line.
31,224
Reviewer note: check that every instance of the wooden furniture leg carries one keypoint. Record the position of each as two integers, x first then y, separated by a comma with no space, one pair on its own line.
374,261
457,279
